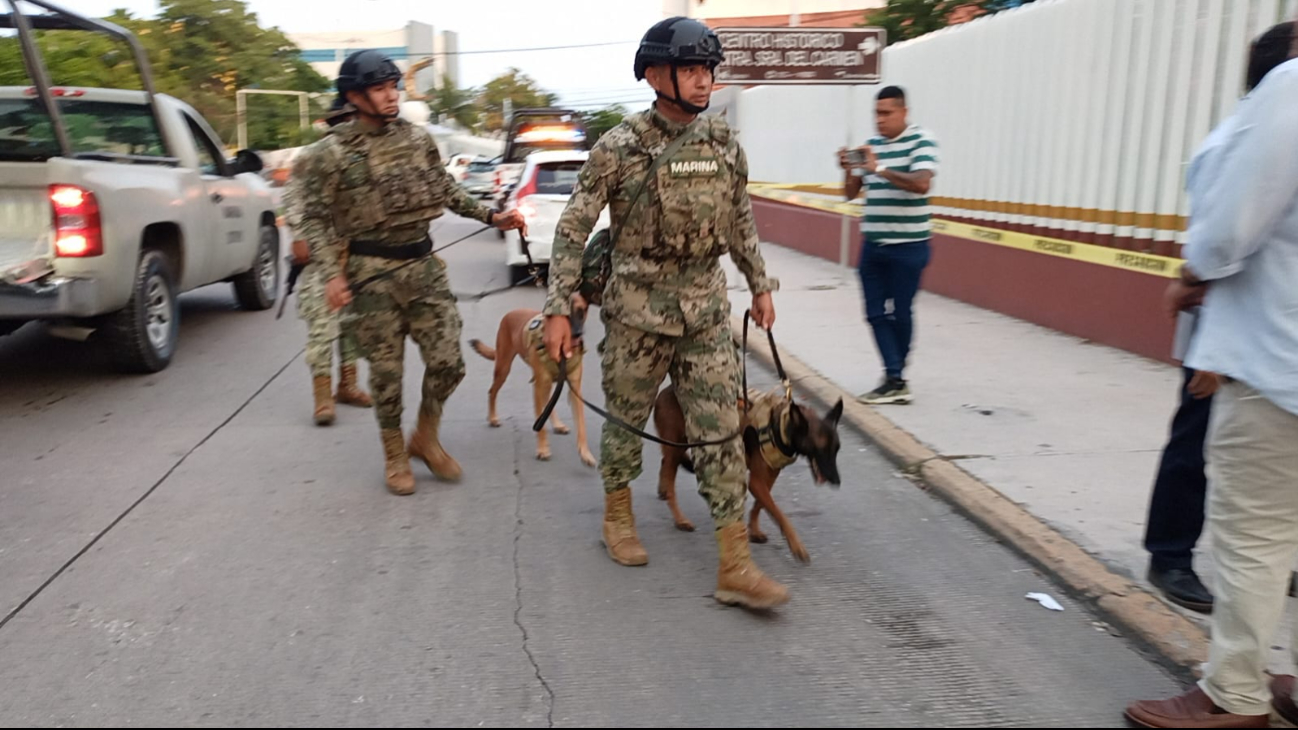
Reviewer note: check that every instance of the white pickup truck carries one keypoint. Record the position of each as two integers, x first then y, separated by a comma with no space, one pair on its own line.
114,202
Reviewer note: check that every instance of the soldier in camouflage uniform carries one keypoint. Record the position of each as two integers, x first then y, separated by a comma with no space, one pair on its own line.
371,188
322,323
665,307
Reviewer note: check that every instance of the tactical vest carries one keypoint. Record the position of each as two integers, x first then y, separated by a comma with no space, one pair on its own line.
385,181
694,196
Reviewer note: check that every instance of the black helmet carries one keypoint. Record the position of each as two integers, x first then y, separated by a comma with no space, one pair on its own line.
679,41
364,69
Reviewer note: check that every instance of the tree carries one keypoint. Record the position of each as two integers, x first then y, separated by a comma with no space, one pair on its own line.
449,102
200,51
519,88
906,19
599,122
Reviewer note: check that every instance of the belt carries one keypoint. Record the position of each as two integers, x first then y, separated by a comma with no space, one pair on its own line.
399,252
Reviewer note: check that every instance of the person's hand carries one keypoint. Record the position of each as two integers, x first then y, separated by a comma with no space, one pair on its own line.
843,160
871,160
763,310
338,293
1180,296
1204,384
513,220
558,336
301,252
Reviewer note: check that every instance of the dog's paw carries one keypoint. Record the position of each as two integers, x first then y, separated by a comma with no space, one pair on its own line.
560,429
588,458
543,455
800,552
685,526
758,537
495,422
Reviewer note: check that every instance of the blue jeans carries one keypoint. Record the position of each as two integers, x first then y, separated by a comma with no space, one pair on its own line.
890,277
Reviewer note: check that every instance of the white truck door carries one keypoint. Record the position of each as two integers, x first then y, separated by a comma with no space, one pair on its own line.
232,239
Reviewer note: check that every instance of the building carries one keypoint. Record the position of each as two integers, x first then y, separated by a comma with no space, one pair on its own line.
325,51
774,13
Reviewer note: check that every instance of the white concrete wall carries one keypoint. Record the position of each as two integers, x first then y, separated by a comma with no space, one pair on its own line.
1079,104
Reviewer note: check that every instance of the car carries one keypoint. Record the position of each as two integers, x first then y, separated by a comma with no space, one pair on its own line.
545,186
115,202
480,178
535,130
458,166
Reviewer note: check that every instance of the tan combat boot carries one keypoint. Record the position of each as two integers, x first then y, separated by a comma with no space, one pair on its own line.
400,479
324,401
739,581
619,529
348,392
424,445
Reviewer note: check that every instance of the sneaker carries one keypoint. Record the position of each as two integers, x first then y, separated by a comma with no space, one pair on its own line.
890,391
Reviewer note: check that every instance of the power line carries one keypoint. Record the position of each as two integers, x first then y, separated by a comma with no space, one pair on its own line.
416,54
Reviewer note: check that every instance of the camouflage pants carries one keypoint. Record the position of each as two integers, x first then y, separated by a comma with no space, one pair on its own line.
415,302
704,367
322,327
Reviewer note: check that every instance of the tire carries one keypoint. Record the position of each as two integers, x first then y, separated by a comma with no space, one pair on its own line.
258,288
142,337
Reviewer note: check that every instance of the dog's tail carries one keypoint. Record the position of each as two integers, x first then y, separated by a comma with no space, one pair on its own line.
480,348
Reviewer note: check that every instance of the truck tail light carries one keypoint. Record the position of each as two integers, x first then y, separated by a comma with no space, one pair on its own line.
77,229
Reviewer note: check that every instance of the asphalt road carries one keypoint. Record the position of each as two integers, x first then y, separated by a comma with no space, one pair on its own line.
188,549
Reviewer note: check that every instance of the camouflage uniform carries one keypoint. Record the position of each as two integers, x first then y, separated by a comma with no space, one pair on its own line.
322,324
665,308
384,185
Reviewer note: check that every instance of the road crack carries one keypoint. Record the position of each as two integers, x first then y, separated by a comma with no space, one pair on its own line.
518,586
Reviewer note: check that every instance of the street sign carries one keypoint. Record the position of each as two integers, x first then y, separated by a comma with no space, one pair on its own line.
756,56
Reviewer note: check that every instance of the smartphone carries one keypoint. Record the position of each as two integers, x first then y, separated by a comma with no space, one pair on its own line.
856,157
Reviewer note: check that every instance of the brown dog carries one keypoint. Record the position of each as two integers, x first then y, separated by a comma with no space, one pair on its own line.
521,334
776,432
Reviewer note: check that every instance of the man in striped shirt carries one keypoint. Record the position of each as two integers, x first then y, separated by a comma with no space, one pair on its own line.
896,169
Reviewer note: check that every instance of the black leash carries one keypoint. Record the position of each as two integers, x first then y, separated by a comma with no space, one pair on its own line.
533,276
563,378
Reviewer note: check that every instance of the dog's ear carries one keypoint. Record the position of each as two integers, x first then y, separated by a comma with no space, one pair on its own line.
835,413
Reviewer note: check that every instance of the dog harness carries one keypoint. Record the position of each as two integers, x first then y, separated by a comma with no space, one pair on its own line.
768,415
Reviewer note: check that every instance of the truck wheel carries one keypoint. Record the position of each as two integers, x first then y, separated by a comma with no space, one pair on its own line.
142,337
258,288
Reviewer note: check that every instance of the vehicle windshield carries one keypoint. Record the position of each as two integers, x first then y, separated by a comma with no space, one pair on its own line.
480,167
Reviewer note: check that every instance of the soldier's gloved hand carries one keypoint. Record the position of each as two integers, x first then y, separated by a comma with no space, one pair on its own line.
764,310
513,220
301,252
558,336
338,293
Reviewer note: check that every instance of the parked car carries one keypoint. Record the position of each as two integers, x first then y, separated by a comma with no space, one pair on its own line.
480,178
545,186
458,166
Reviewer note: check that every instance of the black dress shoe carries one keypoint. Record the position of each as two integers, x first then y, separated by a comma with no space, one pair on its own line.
1182,587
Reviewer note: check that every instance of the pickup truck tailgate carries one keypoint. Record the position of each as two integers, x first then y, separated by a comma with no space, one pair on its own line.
26,223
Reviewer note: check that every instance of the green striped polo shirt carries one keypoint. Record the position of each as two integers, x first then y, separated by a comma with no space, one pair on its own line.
893,215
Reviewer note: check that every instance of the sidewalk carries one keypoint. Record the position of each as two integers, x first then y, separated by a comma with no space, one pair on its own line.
1070,431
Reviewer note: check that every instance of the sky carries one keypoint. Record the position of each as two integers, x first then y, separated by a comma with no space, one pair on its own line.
582,76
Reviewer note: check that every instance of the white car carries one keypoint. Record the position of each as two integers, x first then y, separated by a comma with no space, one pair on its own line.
458,166
546,184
